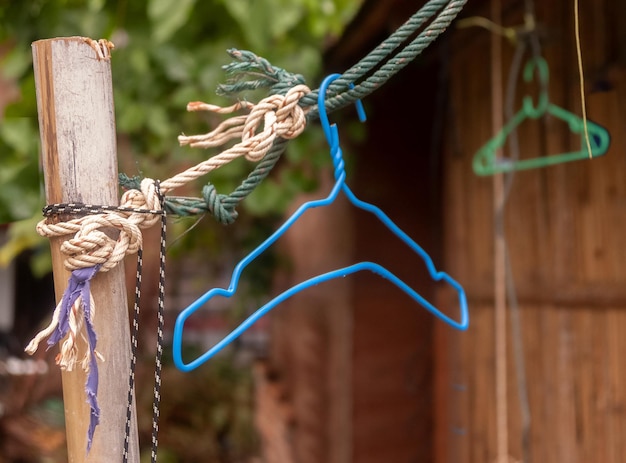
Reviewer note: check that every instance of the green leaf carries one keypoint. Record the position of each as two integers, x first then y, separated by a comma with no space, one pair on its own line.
22,236
168,17
131,117
226,178
41,261
27,105
297,181
139,61
158,122
18,134
285,17
268,198
16,62
19,195
253,18
95,5
183,95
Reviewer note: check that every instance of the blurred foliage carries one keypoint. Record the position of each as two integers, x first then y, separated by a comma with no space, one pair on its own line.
166,54
209,415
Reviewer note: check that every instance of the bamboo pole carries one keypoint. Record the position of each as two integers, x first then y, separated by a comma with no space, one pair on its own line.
500,326
78,149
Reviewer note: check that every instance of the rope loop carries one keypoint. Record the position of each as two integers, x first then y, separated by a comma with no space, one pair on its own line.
217,204
91,246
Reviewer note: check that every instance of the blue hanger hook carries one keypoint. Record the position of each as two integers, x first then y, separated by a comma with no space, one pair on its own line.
331,132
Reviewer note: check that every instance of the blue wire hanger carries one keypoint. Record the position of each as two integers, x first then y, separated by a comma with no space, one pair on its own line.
340,185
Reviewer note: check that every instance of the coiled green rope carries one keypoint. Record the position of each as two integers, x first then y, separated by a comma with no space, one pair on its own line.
367,75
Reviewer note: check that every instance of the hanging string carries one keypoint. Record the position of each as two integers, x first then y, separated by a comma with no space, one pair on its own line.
507,293
134,335
513,306
159,352
579,54
160,324
527,38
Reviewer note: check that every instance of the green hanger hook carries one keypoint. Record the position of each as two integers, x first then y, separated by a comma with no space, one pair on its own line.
544,74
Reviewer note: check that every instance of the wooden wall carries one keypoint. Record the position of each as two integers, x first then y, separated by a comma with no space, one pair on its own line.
392,360
565,228
355,356
370,378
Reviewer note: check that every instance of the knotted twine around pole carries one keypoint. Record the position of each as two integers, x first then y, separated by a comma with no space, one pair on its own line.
274,117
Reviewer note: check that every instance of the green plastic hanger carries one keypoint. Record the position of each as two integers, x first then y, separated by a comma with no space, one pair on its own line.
485,161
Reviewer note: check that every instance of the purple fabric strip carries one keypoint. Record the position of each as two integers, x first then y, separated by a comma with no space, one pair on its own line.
79,286
91,386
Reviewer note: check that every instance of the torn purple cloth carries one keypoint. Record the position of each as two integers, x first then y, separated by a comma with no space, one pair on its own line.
79,286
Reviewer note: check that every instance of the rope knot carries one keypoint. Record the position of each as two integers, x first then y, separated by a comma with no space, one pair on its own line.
216,203
106,234
280,115
91,246
144,199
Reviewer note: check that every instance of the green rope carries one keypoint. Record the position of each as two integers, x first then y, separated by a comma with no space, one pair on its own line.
279,81
220,206
345,96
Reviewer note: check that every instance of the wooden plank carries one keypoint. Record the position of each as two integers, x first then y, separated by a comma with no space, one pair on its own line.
76,119
616,407
534,353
